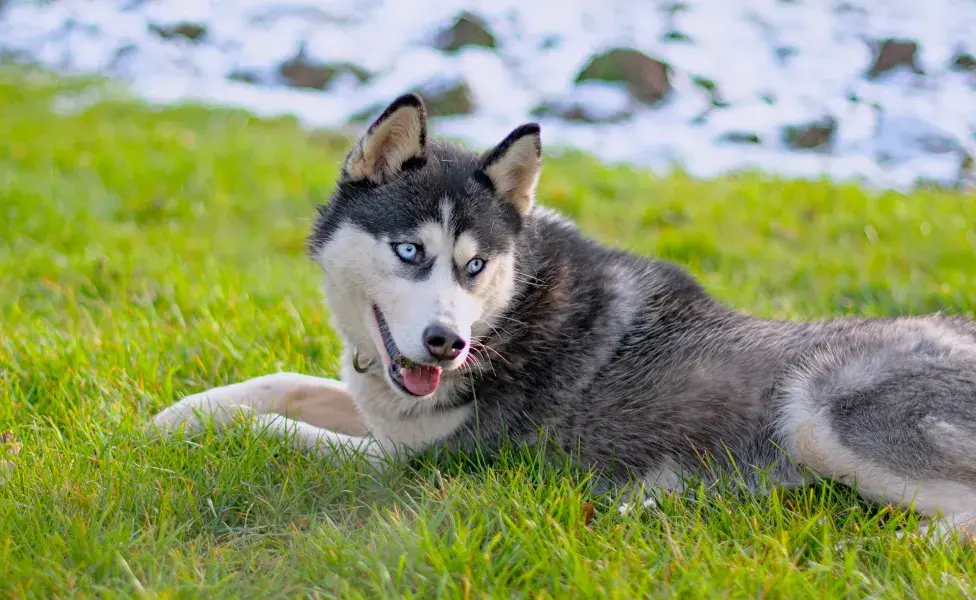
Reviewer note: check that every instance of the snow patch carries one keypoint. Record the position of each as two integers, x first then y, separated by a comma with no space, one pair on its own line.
773,63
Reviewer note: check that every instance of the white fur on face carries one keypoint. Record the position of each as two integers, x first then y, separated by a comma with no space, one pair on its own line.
411,306
362,271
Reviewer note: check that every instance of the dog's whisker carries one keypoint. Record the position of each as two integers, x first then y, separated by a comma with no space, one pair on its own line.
483,358
526,278
486,349
512,319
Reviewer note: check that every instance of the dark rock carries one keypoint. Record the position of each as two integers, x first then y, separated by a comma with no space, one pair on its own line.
14,56
740,137
939,144
893,53
575,111
768,98
551,42
703,82
72,24
714,95
967,170
647,79
702,117
817,135
195,32
468,30
843,8
675,36
675,8
270,13
785,53
446,98
964,62
128,6
122,55
244,76
302,73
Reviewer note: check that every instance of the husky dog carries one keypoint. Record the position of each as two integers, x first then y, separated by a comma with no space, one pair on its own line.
470,314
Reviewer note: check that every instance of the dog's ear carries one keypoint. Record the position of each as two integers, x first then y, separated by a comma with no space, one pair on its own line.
514,165
396,136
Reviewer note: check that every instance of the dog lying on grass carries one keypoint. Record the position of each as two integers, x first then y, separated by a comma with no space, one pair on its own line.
469,314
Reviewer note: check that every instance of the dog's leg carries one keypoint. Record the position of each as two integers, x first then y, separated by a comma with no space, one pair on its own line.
316,439
664,479
961,526
315,401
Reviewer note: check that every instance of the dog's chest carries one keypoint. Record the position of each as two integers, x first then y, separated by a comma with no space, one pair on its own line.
382,409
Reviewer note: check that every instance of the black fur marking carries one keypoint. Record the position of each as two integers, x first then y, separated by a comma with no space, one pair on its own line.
481,178
414,163
518,133
411,100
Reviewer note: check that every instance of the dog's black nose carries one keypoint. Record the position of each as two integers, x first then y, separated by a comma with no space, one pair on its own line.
442,343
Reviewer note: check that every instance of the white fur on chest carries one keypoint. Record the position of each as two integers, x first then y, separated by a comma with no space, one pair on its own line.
382,410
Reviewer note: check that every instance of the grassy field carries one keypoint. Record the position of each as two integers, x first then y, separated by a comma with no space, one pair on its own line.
146,254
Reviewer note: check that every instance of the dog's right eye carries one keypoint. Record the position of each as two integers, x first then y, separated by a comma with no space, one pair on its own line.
409,253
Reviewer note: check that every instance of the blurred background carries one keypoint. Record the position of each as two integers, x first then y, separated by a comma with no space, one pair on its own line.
147,254
878,91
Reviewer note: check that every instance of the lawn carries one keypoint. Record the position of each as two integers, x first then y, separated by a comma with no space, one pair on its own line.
150,253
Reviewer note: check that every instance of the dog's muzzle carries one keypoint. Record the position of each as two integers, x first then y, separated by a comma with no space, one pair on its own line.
411,378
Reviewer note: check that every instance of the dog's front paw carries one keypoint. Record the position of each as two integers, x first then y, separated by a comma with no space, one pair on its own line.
172,418
191,412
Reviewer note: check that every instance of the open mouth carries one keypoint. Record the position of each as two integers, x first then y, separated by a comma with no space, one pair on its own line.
414,379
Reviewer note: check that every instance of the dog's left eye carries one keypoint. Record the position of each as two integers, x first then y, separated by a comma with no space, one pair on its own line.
409,253
475,266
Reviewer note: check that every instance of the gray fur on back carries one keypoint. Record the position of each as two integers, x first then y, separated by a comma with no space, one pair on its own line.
629,362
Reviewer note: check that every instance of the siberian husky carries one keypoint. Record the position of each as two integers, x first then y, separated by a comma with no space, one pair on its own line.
470,314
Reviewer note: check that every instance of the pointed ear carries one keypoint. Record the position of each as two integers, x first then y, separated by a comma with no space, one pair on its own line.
514,165
396,136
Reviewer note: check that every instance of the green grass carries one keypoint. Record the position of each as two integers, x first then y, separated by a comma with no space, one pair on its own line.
146,254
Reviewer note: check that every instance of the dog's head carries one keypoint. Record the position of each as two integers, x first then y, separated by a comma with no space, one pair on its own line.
418,243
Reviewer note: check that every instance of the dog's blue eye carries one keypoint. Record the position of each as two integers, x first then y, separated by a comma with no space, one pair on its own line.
408,252
475,266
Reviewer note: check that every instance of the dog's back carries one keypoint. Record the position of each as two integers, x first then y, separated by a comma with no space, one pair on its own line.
629,362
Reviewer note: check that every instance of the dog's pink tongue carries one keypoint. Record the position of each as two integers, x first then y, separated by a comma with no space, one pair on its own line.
422,381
